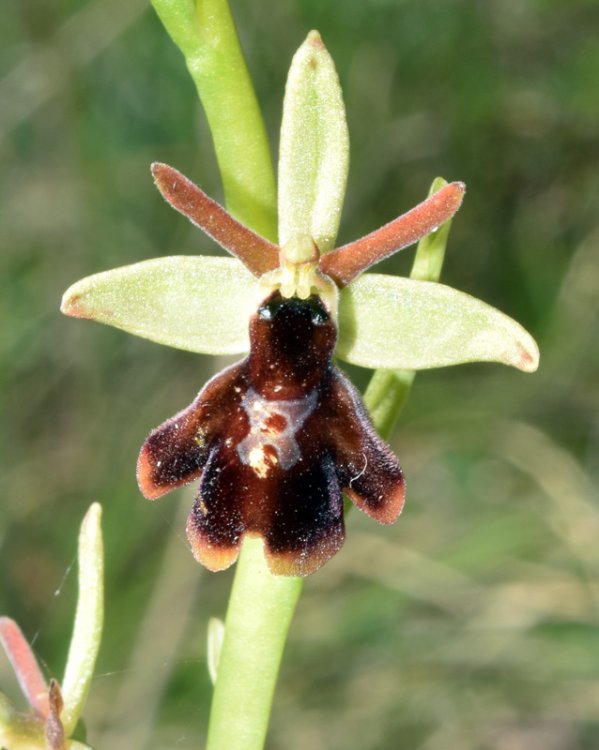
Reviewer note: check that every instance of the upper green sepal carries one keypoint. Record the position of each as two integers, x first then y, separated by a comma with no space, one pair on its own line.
314,148
196,303
390,322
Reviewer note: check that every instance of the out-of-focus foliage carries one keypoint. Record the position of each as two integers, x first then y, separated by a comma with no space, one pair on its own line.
471,623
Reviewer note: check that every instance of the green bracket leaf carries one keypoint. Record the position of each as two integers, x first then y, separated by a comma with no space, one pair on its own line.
89,618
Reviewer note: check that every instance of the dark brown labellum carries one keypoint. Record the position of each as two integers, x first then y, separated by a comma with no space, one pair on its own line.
275,440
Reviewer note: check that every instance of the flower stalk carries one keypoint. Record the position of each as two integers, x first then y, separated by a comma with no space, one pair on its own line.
260,611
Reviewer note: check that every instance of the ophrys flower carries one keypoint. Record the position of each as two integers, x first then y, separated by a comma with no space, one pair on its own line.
278,437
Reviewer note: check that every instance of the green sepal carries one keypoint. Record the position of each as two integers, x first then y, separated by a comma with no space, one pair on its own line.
394,323
200,304
314,148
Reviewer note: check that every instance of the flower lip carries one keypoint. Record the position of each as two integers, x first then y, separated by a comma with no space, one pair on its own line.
285,425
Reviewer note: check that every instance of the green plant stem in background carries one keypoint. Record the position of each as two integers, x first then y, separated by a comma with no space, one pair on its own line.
205,33
89,620
385,397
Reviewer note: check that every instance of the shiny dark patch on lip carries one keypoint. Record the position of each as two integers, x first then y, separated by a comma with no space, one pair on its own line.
289,493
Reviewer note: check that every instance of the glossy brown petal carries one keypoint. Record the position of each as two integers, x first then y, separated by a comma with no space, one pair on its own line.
255,252
348,261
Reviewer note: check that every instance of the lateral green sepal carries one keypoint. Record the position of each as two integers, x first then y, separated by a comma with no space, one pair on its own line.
391,322
197,303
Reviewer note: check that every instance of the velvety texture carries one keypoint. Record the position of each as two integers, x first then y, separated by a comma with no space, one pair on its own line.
275,440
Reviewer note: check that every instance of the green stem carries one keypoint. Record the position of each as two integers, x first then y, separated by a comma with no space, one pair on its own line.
205,33
260,611
261,605
385,397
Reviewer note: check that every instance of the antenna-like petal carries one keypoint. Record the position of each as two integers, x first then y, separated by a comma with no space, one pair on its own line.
256,253
347,262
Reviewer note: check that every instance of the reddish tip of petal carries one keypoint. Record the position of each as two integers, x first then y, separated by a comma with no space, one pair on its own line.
71,306
315,39
527,362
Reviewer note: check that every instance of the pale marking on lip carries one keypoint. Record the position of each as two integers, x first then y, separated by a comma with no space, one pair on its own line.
261,411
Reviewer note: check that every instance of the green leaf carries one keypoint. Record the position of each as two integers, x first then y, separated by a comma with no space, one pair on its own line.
89,618
196,303
396,323
314,148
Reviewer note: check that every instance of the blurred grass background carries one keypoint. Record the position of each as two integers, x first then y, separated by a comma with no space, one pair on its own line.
472,623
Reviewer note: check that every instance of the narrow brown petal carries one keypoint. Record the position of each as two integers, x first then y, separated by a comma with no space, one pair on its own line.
256,253
368,471
25,665
347,262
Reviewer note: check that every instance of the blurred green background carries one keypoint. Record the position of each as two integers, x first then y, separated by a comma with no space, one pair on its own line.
472,623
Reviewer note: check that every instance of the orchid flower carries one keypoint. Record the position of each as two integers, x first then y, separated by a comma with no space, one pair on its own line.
277,438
